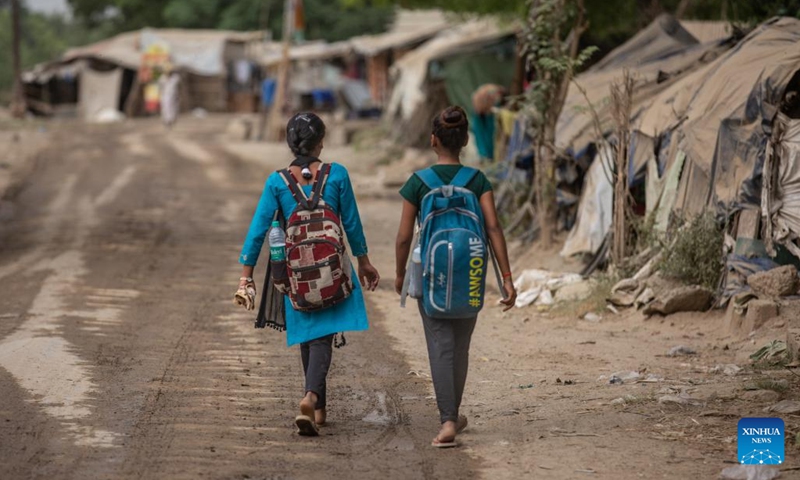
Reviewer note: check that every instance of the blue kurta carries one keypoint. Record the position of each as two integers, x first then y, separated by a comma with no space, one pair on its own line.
350,315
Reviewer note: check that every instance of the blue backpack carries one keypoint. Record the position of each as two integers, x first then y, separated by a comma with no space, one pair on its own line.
454,247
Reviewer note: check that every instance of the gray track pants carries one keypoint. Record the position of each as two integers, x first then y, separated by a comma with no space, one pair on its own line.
316,356
448,351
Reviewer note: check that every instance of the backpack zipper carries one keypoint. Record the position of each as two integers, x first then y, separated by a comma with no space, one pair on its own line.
316,266
463,211
448,300
339,247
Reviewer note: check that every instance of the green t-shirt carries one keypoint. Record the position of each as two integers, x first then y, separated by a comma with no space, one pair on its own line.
415,188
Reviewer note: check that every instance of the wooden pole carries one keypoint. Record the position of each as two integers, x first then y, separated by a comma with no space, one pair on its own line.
275,123
622,100
262,109
18,107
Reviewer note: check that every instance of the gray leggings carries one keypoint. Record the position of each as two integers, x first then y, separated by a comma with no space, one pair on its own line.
316,355
448,351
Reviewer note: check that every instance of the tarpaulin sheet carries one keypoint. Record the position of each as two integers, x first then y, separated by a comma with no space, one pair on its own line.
99,92
739,267
659,56
411,71
786,216
463,74
668,195
722,114
595,211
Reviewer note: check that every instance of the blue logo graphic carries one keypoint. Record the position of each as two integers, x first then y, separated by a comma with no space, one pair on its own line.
761,441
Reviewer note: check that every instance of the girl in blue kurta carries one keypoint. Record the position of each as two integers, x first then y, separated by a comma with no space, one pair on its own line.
314,331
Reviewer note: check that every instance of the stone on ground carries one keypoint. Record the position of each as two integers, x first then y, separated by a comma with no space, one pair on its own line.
785,406
750,472
683,299
575,292
624,293
758,313
767,396
791,312
644,298
778,282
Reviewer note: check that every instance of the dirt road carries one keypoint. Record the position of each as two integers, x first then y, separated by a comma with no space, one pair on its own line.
121,355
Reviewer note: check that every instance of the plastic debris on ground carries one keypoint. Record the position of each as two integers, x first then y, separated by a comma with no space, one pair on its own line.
681,399
537,286
727,369
624,400
772,353
592,317
622,377
680,351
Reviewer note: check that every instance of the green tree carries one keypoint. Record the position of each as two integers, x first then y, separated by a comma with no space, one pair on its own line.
550,40
325,19
467,6
612,22
43,38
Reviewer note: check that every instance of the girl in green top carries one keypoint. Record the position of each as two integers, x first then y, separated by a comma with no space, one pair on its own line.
448,340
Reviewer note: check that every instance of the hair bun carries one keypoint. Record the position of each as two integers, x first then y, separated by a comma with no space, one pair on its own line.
453,117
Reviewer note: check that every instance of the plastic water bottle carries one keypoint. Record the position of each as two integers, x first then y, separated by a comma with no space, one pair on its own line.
415,280
416,255
277,243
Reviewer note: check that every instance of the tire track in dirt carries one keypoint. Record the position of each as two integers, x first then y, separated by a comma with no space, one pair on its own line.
181,374
226,400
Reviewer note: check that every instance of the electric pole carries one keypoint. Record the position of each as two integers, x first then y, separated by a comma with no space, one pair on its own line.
18,96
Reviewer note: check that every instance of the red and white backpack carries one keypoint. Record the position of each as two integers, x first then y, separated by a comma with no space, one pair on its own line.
317,264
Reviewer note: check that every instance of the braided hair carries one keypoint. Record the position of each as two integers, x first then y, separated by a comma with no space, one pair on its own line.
451,127
304,132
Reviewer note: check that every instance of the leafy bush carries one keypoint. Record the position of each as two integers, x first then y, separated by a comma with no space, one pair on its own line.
694,253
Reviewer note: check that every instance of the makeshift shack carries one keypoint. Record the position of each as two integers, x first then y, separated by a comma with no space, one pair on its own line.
659,57
104,76
723,137
317,71
380,52
447,70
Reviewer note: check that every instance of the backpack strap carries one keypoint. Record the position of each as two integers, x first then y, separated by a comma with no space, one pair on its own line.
464,176
294,187
430,178
320,182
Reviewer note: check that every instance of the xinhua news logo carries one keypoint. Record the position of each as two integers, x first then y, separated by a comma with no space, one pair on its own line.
761,441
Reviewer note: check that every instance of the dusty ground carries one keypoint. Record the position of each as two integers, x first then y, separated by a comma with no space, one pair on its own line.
121,355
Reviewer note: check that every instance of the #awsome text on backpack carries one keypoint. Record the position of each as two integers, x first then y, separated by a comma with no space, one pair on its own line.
318,269
455,251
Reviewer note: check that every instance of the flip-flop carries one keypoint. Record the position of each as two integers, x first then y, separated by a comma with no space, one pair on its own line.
306,426
436,444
